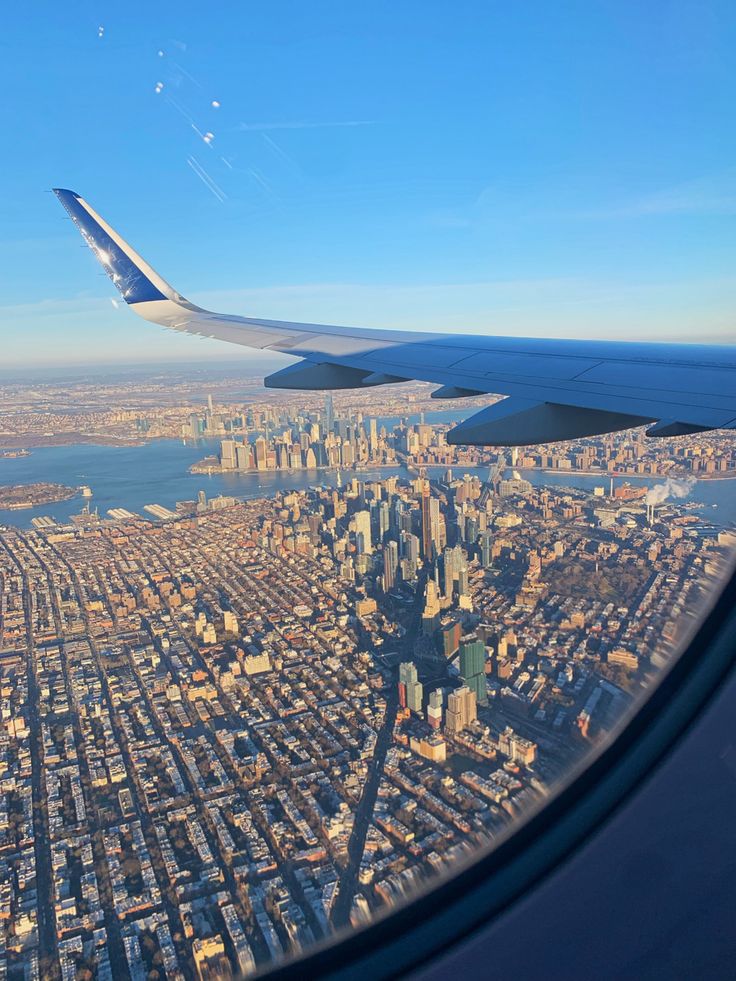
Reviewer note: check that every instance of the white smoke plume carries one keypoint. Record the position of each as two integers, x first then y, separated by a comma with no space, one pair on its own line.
672,487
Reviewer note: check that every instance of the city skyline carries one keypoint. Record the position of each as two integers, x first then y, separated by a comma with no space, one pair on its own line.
508,197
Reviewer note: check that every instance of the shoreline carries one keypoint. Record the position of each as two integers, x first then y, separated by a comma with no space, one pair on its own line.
633,476
10,450
199,470
25,505
136,480
30,443
411,466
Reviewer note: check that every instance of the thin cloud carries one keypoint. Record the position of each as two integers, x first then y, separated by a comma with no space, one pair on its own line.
346,123
703,196
552,307
495,205
88,326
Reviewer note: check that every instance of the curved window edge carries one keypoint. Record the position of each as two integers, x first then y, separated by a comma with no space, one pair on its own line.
428,925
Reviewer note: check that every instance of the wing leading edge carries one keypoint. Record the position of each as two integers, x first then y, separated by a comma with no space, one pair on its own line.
556,389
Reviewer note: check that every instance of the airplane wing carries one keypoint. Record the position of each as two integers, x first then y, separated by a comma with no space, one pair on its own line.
555,389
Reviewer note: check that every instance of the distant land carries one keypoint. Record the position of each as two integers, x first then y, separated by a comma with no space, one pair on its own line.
8,443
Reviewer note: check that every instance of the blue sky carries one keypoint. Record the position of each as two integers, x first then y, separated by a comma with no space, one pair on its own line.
545,168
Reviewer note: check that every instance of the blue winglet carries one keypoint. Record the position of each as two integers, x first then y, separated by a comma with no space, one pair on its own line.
132,283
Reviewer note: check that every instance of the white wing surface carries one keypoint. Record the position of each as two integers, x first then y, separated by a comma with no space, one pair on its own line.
556,389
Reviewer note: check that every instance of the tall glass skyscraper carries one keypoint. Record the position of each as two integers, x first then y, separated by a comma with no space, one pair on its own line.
329,414
472,666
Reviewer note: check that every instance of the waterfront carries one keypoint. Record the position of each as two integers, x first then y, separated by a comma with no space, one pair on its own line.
158,473
175,693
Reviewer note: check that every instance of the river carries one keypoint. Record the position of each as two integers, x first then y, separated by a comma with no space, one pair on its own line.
158,473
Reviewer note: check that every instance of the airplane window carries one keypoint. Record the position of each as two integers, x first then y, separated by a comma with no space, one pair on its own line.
297,621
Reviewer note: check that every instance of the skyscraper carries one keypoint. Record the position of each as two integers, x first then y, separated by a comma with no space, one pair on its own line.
426,523
453,563
463,588
471,529
486,545
436,527
362,526
409,552
261,453
228,457
414,696
472,666
431,611
390,565
472,656
243,456
434,708
450,638
329,414
461,709
414,692
372,436
402,517
410,688
212,422
384,518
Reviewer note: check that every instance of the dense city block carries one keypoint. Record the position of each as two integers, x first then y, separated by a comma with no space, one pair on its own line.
234,728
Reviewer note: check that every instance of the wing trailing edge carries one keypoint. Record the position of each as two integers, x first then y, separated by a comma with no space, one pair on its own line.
556,389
